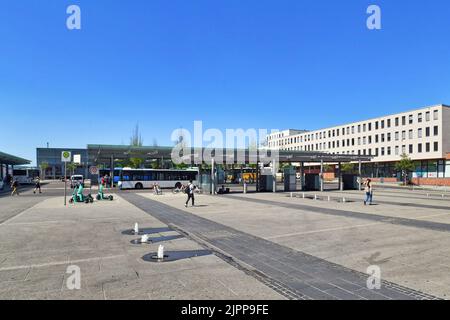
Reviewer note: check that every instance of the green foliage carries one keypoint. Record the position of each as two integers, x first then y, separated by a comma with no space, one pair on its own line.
136,163
72,167
405,165
348,167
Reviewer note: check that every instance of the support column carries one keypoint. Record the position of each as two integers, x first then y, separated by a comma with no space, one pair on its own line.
321,175
341,185
302,176
111,172
274,176
359,176
213,188
257,176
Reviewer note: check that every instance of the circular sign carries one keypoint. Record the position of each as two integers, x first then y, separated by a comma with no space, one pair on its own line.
93,170
66,154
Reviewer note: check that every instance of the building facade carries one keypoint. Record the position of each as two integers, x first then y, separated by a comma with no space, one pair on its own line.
422,134
55,167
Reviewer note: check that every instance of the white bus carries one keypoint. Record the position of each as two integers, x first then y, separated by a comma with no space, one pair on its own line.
25,175
147,178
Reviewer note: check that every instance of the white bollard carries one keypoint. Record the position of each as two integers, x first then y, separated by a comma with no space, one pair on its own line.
292,195
160,252
144,238
343,200
303,195
329,199
315,197
136,228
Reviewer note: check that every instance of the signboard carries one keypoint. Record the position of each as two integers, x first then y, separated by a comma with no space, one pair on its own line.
93,170
66,156
77,158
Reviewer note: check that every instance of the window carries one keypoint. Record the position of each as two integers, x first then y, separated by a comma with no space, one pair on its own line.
364,127
427,147
419,133
376,125
382,124
410,136
389,137
411,148
427,116
382,151
376,138
419,118
353,129
396,122
419,148
359,141
382,138
388,151
427,132
403,149
389,123
436,147
370,139
397,150
403,120
403,135
359,128
397,136
370,126
435,114
436,130
410,119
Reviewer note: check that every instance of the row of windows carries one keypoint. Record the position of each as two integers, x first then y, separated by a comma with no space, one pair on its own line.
383,151
381,138
380,124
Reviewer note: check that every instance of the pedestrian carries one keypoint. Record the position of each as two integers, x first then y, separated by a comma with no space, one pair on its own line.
14,186
37,185
190,192
368,189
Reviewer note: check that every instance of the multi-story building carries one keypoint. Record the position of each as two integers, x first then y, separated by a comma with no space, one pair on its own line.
422,134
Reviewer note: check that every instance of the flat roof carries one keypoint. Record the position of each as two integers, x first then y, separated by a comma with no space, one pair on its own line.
104,153
12,160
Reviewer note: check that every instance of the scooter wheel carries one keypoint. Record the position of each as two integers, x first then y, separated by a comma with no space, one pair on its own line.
98,197
111,198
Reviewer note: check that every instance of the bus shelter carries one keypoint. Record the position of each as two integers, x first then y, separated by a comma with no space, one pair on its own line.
266,161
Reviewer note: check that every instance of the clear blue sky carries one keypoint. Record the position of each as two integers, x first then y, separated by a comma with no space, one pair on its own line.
231,63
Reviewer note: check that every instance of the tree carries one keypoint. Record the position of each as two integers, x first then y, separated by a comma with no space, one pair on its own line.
136,163
44,166
348,167
136,138
72,167
405,165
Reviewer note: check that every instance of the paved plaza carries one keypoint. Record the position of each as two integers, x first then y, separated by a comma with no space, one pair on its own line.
237,246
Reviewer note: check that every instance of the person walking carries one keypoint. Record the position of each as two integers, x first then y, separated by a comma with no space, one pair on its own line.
14,186
37,185
190,192
368,189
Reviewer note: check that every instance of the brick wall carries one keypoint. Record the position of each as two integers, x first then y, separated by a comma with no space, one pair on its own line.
431,181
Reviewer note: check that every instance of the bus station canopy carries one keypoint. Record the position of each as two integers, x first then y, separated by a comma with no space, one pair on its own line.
112,153
12,160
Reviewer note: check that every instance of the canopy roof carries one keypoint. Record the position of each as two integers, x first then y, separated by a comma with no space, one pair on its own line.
12,160
106,153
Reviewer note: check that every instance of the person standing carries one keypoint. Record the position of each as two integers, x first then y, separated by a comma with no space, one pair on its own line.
14,186
37,185
368,189
190,192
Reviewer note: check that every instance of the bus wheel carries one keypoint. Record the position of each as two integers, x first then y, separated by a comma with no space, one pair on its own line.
139,186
